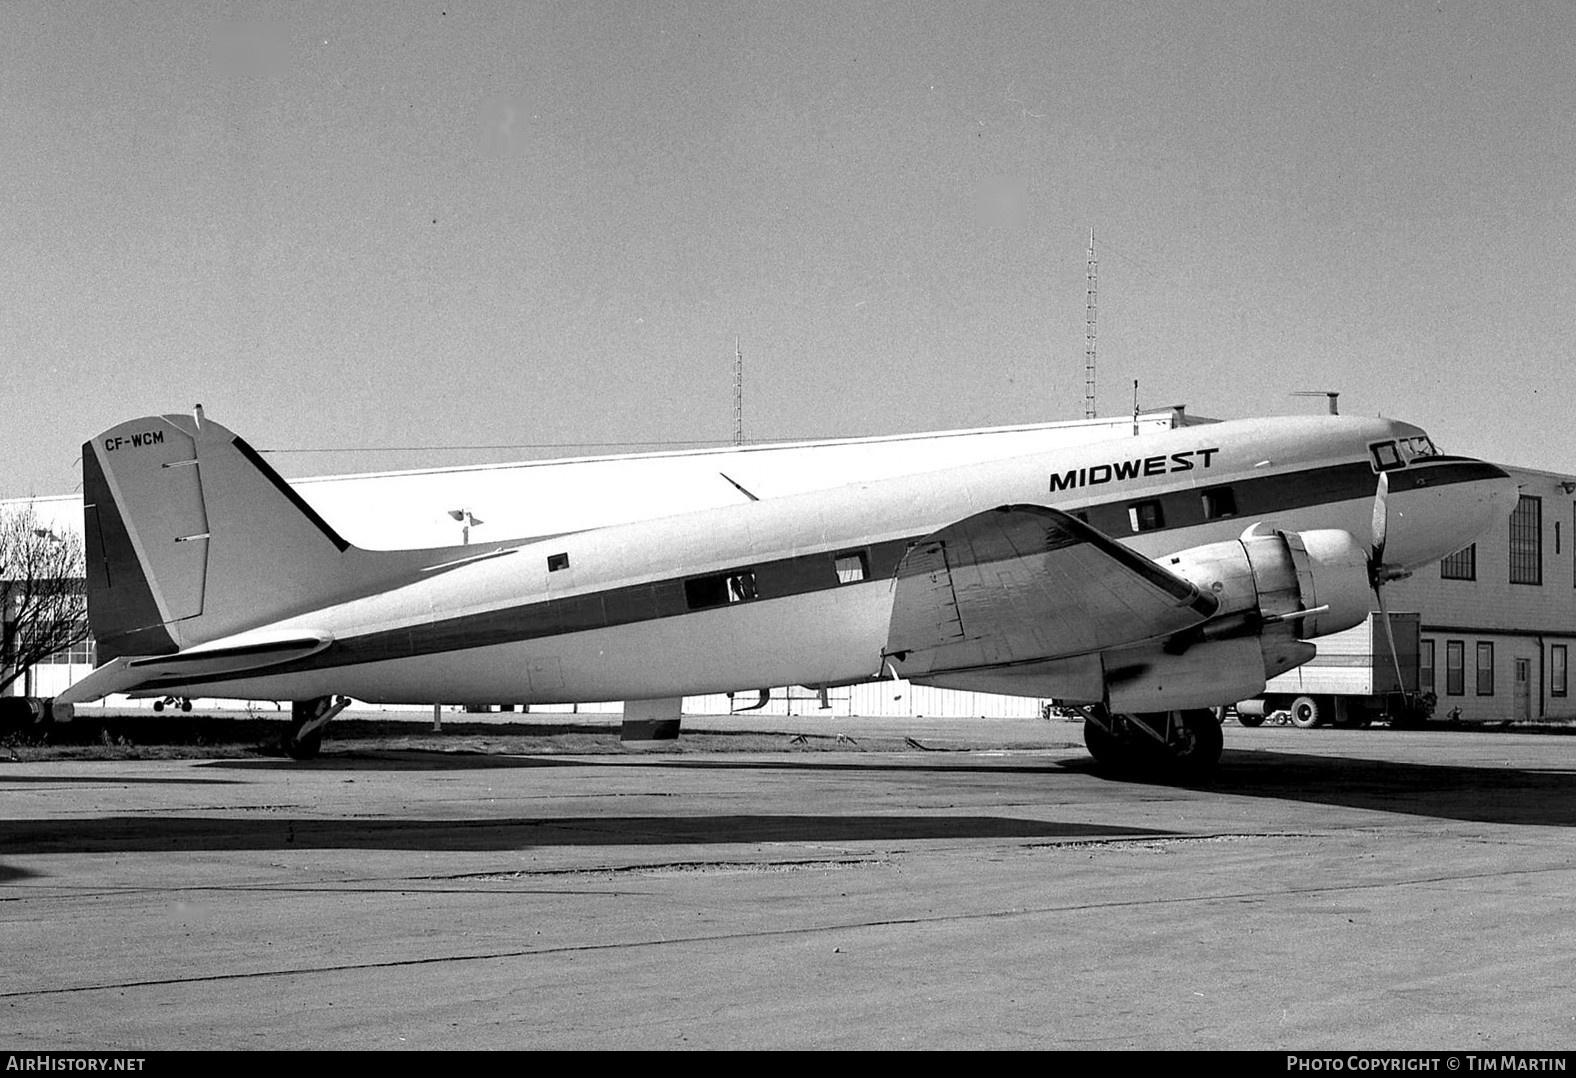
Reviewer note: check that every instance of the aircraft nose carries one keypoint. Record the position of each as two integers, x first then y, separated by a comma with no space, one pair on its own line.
1503,492
1440,507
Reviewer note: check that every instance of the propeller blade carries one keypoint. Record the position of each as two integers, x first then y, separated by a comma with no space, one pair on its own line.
1381,521
1384,614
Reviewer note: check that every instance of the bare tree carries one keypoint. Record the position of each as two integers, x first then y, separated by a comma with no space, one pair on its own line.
42,603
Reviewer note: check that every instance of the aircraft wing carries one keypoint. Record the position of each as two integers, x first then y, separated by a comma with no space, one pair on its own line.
1025,583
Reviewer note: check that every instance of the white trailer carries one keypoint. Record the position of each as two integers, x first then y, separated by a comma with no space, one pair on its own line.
1351,681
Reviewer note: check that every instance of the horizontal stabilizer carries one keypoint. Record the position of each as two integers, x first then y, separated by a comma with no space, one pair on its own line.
250,652
1026,583
254,651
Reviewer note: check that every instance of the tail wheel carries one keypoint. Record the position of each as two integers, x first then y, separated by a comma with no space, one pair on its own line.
1305,713
302,748
1250,720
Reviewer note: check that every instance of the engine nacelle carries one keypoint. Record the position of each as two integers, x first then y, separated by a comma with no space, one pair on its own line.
1275,574
1205,675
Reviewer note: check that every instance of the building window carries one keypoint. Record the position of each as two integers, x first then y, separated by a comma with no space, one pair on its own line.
1455,668
81,654
1219,502
1526,541
720,589
1557,660
852,567
1485,670
1146,516
1462,565
1425,666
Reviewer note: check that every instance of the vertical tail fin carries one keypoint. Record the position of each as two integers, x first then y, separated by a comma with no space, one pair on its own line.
191,536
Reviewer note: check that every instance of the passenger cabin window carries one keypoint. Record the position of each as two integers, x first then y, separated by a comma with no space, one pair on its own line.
556,562
1146,516
851,567
1219,502
720,589
1386,456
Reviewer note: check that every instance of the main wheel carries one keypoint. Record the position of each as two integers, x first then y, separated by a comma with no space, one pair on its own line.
1106,749
1195,749
1305,714
1191,750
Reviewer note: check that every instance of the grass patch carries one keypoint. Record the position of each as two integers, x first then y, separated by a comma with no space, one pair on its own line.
180,736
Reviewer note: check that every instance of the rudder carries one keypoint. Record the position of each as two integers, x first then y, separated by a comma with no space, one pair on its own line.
191,536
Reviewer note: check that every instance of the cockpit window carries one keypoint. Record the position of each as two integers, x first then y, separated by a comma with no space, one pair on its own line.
1386,456
1419,446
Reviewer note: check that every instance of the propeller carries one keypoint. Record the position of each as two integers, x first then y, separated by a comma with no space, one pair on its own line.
1380,574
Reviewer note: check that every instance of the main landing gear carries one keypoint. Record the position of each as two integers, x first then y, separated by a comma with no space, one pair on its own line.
307,719
1183,745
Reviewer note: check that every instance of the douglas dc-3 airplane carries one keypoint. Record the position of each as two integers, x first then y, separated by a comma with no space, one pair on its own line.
1147,580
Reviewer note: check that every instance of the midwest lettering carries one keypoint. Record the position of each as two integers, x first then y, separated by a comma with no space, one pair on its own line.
1161,464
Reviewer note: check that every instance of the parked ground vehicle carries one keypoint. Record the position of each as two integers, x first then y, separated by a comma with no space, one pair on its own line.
1352,681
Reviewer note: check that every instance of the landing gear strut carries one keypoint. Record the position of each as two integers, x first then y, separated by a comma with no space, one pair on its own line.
1169,744
307,719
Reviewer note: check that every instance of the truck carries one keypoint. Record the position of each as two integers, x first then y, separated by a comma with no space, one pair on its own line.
1351,681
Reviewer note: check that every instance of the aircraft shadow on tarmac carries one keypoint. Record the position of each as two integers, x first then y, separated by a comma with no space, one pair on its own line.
114,780
124,834
1506,795
1502,795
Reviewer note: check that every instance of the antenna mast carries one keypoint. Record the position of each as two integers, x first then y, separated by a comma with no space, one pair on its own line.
1089,313
738,392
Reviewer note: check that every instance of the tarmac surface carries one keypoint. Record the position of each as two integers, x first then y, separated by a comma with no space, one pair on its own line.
1331,889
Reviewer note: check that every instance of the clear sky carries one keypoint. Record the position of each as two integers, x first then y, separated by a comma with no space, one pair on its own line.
456,223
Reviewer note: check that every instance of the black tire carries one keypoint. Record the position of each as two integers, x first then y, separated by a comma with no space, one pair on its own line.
305,748
1306,713
1190,756
1104,746
1250,720
158,705
186,705
1198,751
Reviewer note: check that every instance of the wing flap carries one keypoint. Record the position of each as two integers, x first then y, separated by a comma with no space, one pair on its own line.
1027,583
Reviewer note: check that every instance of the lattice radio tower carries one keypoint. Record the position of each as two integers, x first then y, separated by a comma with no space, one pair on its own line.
1089,313
738,392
